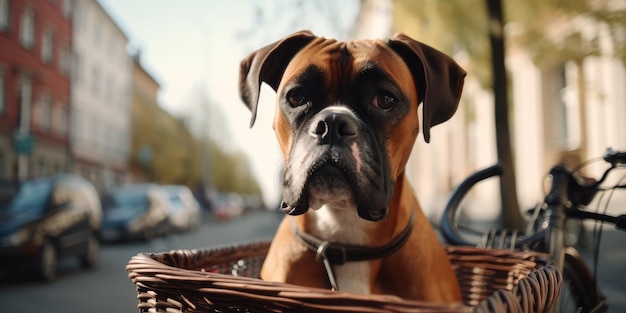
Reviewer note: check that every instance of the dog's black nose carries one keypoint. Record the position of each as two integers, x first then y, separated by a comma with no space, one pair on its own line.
334,125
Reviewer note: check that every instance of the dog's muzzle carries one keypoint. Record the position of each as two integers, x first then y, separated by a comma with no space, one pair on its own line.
336,158
334,126
293,210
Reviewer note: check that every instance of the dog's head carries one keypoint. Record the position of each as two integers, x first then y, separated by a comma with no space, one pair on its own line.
346,116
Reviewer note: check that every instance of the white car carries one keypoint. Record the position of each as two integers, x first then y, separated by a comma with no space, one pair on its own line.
183,207
135,212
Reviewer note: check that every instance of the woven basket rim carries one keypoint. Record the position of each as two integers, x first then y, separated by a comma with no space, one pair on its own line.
158,275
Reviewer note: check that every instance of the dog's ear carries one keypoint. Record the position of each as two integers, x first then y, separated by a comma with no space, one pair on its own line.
438,79
268,65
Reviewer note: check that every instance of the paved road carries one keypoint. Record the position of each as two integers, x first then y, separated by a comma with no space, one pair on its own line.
611,268
108,289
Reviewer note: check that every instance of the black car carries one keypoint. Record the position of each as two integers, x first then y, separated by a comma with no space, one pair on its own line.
45,219
135,212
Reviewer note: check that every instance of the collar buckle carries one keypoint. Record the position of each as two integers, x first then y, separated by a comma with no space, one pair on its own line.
331,253
321,254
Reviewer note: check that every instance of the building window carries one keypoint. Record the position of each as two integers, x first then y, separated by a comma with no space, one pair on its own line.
57,168
76,68
95,80
64,60
60,120
44,112
4,15
41,168
3,93
46,45
88,127
3,166
75,127
78,18
67,8
25,96
109,91
101,135
567,114
27,28
97,35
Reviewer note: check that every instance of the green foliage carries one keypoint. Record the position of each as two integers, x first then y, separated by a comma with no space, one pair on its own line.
533,25
162,149
222,162
176,156
231,172
450,26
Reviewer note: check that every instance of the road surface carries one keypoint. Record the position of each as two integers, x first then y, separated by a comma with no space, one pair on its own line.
108,289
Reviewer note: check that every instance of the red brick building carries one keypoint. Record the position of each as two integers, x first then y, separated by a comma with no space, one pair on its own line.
35,52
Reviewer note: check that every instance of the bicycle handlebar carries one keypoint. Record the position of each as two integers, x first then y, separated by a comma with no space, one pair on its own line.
569,188
581,189
614,157
449,228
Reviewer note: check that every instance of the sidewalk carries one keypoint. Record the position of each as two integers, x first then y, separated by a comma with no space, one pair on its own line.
611,267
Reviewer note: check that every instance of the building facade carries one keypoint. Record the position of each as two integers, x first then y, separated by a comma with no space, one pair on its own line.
145,109
563,109
162,148
577,103
35,51
100,97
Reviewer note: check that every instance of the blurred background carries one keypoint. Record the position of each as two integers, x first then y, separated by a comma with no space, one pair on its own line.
128,112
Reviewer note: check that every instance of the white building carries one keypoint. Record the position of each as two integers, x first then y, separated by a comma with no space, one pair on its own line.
101,96
567,110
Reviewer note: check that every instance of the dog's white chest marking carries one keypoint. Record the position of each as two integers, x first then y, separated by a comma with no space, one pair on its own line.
343,225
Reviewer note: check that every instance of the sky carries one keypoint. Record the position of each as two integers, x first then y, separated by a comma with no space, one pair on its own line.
192,46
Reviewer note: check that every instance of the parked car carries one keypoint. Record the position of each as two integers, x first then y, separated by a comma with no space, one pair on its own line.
134,212
45,219
184,209
226,206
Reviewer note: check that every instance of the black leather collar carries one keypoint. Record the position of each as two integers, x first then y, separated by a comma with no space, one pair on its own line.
338,254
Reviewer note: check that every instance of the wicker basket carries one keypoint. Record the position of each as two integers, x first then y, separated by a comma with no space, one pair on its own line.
225,279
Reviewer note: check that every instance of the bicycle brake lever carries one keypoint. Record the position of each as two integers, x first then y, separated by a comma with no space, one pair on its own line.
614,157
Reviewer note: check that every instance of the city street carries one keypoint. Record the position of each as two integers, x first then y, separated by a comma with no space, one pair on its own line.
611,268
108,289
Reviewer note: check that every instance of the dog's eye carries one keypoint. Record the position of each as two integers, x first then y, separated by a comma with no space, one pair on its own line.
296,97
384,100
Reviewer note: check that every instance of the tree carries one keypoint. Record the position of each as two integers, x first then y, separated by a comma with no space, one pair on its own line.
456,25
536,18
162,147
271,22
224,168
232,172
511,216
452,29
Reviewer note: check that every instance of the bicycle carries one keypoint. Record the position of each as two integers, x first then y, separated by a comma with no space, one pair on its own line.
569,194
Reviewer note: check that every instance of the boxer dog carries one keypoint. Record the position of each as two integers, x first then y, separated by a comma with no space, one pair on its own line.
346,122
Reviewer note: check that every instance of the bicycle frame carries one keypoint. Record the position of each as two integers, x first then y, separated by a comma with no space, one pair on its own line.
558,202
568,192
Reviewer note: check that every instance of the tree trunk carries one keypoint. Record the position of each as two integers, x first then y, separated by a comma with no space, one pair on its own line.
511,216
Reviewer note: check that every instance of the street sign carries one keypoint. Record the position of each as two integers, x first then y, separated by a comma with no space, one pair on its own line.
23,143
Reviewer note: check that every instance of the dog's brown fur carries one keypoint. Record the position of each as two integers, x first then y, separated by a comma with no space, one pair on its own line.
420,269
